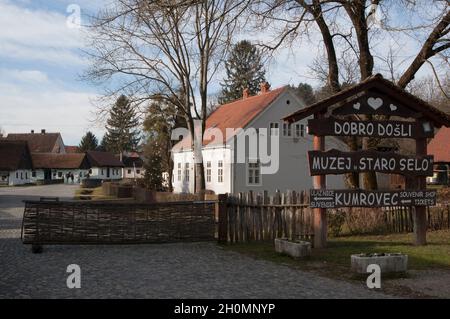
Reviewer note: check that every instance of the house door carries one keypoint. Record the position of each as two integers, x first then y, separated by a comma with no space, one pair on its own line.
47,174
107,172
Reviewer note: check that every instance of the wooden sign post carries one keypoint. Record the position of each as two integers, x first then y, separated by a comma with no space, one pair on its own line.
338,115
319,182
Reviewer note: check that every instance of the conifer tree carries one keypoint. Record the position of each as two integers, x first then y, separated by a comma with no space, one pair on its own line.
244,70
88,142
122,127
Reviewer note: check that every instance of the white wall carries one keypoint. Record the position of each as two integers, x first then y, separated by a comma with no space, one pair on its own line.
293,168
212,155
19,177
101,173
131,172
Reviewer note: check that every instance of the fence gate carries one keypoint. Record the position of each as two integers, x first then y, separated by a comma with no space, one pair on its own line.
56,222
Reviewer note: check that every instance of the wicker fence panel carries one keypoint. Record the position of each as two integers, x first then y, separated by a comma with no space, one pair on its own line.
117,223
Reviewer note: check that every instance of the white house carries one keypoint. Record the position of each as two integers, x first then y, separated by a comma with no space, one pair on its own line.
15,163
51,166
104,165
133,166
229,168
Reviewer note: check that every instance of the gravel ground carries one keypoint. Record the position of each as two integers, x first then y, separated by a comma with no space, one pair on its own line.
182,270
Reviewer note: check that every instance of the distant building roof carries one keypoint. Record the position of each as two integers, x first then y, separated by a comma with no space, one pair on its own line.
60,161
37,142
103,159
439,146
237,114
132,161
14,155
72,149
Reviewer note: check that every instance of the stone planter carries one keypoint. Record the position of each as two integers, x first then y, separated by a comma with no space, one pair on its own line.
296,249
389,263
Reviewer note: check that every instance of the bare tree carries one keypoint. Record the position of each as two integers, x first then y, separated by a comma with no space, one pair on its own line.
353,27
159,49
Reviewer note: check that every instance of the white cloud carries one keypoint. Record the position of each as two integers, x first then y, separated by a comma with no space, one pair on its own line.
30,76
37,35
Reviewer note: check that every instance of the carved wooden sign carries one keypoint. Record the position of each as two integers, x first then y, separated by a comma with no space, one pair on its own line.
387,129
327,198
375,104
338,162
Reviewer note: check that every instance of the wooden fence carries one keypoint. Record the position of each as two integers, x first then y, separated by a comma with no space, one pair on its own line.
55,222
258,217
251,216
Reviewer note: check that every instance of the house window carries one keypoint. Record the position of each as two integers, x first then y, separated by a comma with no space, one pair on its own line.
129,171
254,173
186,172
81,174
26,175
220,171
102,171
138,171
59,174
21,175
274,129
208,172
33,174
17,175
287,129
179,172
299,130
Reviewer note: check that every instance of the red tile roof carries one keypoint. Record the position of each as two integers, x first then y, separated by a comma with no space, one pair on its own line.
72,149
237,114
37,142
14,155
439,146
59,161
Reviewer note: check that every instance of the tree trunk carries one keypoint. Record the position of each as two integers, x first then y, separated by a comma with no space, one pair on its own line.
369,178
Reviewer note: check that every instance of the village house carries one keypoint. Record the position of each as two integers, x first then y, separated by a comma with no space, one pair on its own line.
49,167
42,142
15,163
438,147
133,166
223,173
104,165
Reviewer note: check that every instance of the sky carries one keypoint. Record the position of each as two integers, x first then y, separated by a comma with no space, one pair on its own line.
41,61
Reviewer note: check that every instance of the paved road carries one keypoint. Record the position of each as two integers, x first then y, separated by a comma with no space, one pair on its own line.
184,270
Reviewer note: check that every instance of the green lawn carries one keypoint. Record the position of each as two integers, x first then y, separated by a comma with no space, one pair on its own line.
91,194
335,259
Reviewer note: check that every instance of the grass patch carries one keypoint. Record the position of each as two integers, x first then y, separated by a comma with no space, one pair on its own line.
91,194
334,261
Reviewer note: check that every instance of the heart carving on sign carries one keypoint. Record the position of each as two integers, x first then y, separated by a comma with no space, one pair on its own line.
356,106
375,103
393,107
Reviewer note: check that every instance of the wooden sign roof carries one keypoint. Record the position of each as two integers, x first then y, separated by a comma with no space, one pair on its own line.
375,95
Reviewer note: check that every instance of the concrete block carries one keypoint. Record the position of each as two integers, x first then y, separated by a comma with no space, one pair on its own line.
296,249
389,263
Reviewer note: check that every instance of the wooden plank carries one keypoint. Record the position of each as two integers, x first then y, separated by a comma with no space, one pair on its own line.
338,162
388,129
359,198
373,103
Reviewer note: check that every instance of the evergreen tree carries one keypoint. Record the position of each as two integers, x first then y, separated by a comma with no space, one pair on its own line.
306,93
244,70
88,142
153,178
121,128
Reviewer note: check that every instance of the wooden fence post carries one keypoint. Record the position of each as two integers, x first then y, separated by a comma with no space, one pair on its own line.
223,219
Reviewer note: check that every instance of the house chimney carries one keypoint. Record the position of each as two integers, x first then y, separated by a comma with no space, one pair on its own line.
43,131
264,87
32,131
245,93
